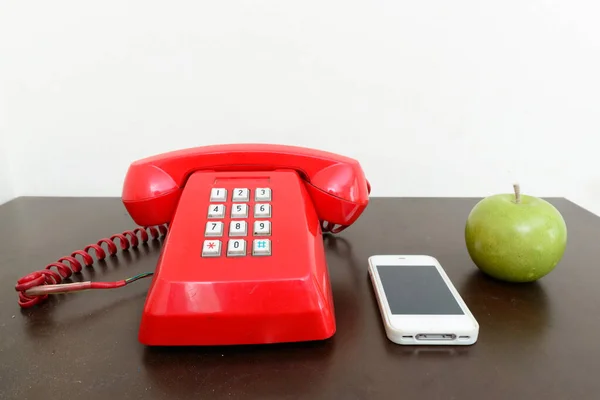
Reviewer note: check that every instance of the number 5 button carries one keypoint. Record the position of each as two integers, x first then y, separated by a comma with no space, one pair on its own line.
239,211
262,210
262,228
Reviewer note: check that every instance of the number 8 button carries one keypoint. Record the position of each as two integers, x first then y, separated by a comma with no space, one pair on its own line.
238,228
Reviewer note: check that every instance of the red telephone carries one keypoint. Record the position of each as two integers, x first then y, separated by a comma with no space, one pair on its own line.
243,260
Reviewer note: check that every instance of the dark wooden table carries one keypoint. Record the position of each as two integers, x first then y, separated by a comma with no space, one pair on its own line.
537,341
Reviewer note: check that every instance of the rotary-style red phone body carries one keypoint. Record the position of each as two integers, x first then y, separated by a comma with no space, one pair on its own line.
243,261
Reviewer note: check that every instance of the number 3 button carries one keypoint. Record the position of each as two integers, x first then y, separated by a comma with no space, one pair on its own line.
262,210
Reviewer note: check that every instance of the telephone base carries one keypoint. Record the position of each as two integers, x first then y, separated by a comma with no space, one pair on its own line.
246,286
310,316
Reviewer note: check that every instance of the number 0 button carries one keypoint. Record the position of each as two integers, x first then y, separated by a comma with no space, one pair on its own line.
236,247
262,210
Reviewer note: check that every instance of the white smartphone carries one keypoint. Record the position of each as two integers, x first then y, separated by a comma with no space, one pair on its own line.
419,304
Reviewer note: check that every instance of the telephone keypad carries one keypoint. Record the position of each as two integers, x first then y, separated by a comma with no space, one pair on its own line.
216,211
241,194
211,248
214,229
236,247
262,210
262,228
262,194
218,194
261,247
235,234
239,211
238,228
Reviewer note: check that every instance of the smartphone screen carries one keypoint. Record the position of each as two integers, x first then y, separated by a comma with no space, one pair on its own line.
417,290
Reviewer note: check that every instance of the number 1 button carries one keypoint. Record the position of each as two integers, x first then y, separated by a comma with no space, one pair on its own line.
218,194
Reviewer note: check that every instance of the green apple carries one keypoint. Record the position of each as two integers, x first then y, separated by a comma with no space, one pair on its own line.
514,237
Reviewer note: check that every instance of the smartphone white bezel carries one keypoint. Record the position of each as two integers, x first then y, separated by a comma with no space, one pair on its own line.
403,329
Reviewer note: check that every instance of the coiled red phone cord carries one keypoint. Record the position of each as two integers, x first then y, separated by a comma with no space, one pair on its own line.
35,287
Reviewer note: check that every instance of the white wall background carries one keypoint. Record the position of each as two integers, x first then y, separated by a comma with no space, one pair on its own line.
435,98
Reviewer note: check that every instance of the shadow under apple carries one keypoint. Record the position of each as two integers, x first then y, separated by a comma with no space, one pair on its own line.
508,313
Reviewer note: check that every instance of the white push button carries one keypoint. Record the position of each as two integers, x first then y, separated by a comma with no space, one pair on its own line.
238,228
216,211
218,194
262,210
261,247
241,194
211,248
239,211
214,229
262,228
262,194
236,247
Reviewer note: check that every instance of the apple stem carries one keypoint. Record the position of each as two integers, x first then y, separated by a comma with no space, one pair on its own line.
517,193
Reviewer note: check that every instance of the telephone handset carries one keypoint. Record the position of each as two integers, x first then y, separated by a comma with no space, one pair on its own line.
335,183
243,260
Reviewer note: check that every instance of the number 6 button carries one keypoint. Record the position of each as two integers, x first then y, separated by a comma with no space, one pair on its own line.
262,210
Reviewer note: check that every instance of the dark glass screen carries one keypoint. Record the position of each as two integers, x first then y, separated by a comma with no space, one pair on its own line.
417,290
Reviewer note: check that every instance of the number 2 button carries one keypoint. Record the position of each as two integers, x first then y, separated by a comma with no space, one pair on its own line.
240,194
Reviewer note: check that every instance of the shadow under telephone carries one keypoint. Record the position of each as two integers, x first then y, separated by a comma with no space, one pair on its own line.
243,260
